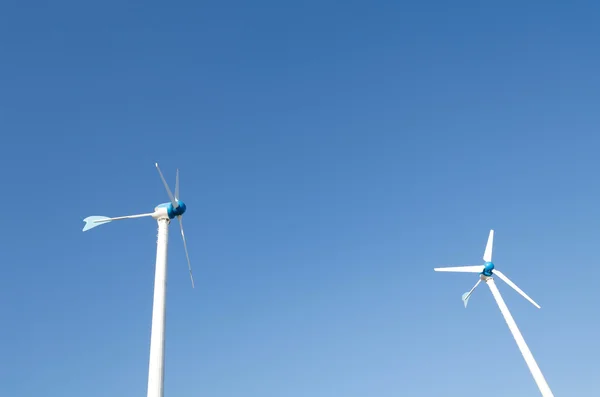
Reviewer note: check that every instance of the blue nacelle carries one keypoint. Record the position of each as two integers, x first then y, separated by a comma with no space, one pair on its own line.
173,212
487,270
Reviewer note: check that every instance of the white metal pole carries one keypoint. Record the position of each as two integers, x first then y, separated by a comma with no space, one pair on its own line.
156,369
533,367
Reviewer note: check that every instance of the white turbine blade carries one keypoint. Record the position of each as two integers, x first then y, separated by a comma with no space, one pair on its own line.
177,197
514,286
186,250
460,269
487,256
467,295
95,220
175,205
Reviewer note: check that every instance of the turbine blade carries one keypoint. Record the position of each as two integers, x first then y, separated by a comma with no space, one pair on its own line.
487,256
514,286
460,269
186,250
177,196
95,220
173,201
467,295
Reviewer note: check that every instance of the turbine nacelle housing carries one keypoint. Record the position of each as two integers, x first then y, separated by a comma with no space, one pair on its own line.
174,208
167,210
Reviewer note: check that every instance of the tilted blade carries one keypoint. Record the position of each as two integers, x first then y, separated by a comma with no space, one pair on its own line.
177,196
487,256
173,201
467,295
186,250
95,220
460,269
514,286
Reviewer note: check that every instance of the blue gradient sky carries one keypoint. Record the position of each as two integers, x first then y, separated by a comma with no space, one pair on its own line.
331,154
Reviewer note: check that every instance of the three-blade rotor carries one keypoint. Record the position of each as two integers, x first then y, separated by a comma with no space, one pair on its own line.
486,271
175,202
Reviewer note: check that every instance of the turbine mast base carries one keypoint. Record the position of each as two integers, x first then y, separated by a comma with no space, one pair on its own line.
535,370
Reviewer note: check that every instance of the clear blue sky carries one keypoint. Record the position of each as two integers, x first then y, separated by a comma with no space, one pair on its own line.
331,154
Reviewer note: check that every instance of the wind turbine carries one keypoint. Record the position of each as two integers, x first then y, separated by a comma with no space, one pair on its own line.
163,214
486,274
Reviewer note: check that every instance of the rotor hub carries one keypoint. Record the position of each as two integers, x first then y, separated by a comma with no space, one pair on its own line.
488,269
174,212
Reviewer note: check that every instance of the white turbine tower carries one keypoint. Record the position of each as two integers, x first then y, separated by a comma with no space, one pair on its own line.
486,272
163,214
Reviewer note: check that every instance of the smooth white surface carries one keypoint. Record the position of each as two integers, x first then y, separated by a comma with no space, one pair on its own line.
461,269
487,255
156,369
533,367
118,218
514,286
160,212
